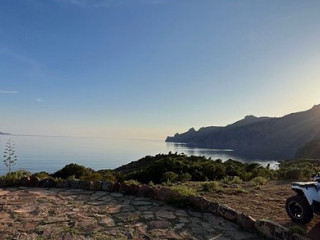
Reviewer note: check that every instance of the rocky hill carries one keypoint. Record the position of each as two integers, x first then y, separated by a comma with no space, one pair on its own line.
310,150
263,138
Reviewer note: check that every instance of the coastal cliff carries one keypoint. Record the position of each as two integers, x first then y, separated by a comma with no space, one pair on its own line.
263,138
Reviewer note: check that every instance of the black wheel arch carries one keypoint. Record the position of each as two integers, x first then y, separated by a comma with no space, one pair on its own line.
299,192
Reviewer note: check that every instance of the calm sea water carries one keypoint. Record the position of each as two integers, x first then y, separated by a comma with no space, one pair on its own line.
50,154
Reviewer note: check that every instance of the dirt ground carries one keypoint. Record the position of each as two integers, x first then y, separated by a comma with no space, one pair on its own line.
262,202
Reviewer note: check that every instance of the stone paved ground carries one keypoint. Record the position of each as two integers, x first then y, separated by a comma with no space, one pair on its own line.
32,213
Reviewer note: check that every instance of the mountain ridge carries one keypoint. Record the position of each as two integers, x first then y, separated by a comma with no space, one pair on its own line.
258,137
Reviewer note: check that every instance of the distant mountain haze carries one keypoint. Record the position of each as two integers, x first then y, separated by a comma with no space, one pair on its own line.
310,150
262,138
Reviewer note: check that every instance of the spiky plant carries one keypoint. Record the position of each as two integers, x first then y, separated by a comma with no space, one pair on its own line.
9,155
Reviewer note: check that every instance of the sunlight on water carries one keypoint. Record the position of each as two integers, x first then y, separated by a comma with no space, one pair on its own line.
52,153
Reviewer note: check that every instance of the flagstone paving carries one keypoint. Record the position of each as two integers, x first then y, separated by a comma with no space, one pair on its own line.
36,214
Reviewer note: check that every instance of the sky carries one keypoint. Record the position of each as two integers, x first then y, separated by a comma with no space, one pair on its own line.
151,68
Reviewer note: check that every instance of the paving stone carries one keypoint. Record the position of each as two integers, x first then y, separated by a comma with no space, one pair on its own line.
141,203
179,226
165,214
160,224
183,220
107,221
117,195
115,209
194,214
148,216
181,213
127,208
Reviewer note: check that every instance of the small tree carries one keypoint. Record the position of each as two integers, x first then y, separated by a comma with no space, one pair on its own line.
9,155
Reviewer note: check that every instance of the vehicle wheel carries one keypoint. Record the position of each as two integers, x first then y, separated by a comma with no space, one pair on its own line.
299,209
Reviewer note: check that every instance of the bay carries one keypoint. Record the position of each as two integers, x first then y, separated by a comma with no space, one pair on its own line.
47,153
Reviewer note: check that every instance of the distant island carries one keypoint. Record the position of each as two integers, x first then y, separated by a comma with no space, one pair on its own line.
260,137
3,133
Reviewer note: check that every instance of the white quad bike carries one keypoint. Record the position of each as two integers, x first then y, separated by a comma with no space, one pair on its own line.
301,207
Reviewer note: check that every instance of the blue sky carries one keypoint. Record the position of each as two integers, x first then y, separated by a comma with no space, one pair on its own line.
151,68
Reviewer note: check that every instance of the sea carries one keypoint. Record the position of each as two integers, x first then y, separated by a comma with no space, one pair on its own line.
51,153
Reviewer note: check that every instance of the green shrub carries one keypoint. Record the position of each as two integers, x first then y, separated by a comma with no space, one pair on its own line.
92,177
240,190
299,169
131,182
185,177
212,186
41,175
183,193
109,176
298,173
13,178
73,170
258,181
170,177
231,180
72,177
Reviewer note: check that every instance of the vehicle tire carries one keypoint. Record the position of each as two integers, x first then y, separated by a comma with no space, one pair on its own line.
299,209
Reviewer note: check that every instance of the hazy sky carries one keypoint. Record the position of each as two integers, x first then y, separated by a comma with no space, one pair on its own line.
151,68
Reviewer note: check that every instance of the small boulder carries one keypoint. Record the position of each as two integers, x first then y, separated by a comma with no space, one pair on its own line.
2,183
47,183
124,188
34,181
134,189
106,186
199,203
85,185
165,194
62,183
115,187
25,181
213,207
245,221
228,213
74,184
272,230
146,191
96,186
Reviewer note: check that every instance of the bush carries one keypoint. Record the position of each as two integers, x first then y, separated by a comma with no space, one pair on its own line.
41,175
212,186
231,180
298,173
13,178
131,182
109,176
200,168
183,193
185,177
240,190
73,169
170,177
258,181
299,169
92,177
